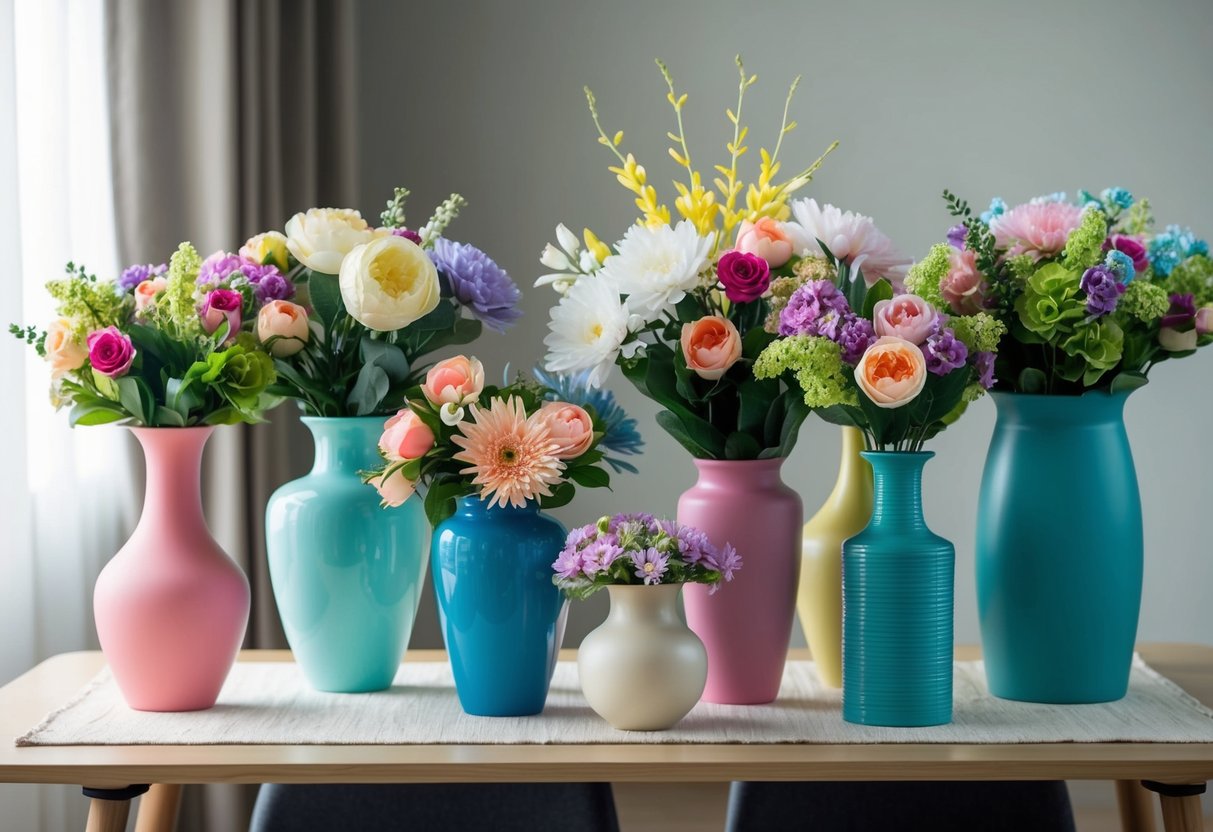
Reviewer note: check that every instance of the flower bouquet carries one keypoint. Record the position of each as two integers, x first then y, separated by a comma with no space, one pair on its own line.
642,669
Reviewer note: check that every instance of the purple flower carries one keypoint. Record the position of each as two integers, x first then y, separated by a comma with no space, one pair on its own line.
408,234
1181,313
475,281
1103,288
957,235
134,275
944,352
809,308
650,565
728,562
219,267
984,362
599,555
271,286
855,336
745,276
568,564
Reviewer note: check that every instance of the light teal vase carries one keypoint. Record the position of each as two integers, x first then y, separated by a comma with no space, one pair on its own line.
1059,549
347,574
897,598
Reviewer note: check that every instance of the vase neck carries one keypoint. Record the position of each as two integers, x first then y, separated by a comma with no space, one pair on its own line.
897,478
345,445
173,461
473,506
753,473
854,473
1060,412
652,605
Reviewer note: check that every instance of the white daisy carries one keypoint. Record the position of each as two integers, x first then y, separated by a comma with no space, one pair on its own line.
852,238
656,267
587,330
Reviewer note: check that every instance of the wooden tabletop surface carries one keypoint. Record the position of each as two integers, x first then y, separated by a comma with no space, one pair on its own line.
27,700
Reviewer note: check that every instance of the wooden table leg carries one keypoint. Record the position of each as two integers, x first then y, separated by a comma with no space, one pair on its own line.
1181,810
1136,806
105,815
158,808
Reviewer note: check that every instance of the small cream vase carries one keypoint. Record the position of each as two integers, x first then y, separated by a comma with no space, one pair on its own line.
642,669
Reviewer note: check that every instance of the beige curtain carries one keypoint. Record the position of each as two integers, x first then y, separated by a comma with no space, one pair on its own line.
227,116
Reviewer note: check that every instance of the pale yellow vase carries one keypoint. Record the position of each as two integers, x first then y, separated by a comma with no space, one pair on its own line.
844,514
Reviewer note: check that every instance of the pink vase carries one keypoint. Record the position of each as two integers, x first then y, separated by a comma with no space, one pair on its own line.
747,624
171,607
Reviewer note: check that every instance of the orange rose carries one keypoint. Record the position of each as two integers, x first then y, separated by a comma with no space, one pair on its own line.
892,372
711,346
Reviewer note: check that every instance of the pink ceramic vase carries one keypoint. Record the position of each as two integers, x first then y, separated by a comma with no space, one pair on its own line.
747,624
171,607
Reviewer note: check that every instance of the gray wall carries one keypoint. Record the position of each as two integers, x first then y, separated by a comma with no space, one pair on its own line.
1013,99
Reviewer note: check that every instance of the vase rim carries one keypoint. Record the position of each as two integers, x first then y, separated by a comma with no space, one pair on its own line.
894,454
307,420
479,502
772,462
172,428
1094,392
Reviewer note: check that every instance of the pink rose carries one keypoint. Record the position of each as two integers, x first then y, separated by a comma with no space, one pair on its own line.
286,323
110,351
964,288
571,428
146,292
892,372
222,305
745,276
405,436
394,488
711,345
456,381
63,351
1132,247
766,238
1204,320
905,316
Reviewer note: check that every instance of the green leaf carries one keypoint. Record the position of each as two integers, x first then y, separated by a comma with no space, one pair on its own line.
857,291
137,398
369,389
387,356
740,445
772,427
843,414
798,411
1032,380
880,290
167,417
561,495
684,377
754,342
671,424
1127,382
82,416
443,317
224,416
325,293
588,476
440,499
654,376
755,398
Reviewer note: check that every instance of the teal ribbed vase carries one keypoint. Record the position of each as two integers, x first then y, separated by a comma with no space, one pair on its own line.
897,598
1059,549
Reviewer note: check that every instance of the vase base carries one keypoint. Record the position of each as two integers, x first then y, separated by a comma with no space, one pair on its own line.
1059,698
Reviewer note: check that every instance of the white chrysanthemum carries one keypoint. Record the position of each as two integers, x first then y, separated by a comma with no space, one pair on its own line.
656,267
587,330
852,238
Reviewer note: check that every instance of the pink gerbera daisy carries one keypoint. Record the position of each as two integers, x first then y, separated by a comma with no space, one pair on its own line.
512,456
1036,228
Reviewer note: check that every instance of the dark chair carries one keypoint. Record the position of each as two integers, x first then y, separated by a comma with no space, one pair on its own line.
891,807
442,807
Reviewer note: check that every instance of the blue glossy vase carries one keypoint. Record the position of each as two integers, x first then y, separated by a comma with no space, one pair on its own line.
897,598
502,617
1059,549
347,574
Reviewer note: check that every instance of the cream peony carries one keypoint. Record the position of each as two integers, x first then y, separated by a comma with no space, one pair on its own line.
63,351
388,283
321,238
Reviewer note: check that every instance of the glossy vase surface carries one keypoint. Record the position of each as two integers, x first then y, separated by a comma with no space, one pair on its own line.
171,607
1059,549
844,514
746,625
502,617
347,574
897,605
642,669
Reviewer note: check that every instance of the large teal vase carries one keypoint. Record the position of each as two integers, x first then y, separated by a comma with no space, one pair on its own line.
897,595
347,574
502,618
1059,549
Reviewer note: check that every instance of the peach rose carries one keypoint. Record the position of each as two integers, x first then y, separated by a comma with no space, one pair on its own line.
711,345
892,372
146,292
767,239
456,381
63,351
405,436
571,428
964,288
287,322
394,488
904,316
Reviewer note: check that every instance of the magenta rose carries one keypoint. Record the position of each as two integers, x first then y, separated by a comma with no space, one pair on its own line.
110,351
745,276
1132,247
222,305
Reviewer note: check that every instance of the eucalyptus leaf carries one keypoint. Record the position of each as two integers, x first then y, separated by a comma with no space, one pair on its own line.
369,389
325,293
387,356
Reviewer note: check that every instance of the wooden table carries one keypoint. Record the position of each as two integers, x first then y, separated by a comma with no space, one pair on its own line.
1178,772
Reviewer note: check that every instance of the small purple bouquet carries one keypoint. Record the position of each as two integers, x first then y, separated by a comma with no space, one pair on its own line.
639,549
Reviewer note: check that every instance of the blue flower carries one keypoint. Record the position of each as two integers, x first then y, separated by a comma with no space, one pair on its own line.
1056,196
619,430
1121,265
1119,197
475,281
997,209
1173,246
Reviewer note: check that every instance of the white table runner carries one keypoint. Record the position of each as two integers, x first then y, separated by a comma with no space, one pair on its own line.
269,703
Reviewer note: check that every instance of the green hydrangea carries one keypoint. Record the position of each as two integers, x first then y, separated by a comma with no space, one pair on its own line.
1084,246
1050,304
1194,276
925,276
972,393
1022,266
1138,219
1092,350
817,365
1145,301
980,332
88,303
177,309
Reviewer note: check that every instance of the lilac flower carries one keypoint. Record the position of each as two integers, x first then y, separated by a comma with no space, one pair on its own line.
984,362
729,562
809,305
1103,288
475,281
957,235
271,286
134,275
408,234
568,564
650,565
598,556
855,336
218,268
1181,313
944,352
